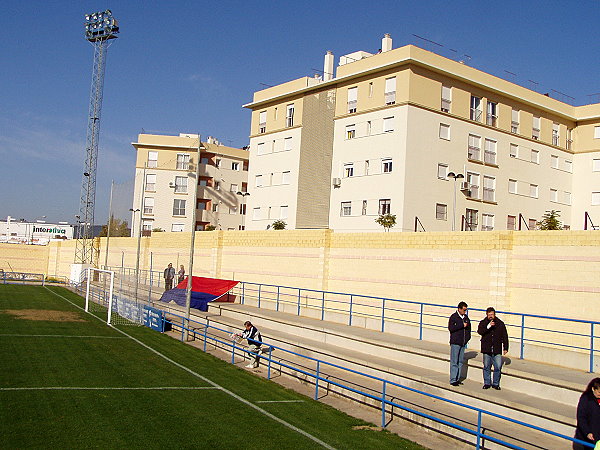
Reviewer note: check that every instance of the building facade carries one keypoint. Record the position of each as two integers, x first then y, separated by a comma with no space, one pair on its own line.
20,231
165,184
441,145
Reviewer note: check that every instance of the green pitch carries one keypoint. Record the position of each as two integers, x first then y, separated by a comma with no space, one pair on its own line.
68,380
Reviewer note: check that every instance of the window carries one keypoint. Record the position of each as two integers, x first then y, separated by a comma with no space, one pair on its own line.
261,149
532,224
441,211
474,151
217,185
256,214
203,182
554,161
553,195
204,161
258,181
473,180
364,208
471,219
490,151
446,98
289,115
535,156
287,144
535,132
346,209
567,198
352,99
596,132
388,124
385,206
489,189
367,167
215,207
348,170
150,182
514,124
569,142
177,227
202,205
475,108
555,134
152,160
178,207
262,122
233,188
487,222
218,162
369,128
514,151
283,212
233,210
596,165
595,198
390,91
183,161
180,184
149,205
511,223
512,186
444,131
492,114
285,177
386,165
568,166
371,89
350,131
442,172
533,190
243,209
235,166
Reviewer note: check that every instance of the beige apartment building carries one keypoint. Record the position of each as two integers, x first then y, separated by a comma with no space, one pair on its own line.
165,184
440,144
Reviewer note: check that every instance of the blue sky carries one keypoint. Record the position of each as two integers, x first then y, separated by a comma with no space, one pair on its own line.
182,66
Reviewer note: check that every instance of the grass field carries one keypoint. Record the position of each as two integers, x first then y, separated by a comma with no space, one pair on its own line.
70,381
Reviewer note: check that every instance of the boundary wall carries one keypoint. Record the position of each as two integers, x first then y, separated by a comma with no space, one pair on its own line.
552,273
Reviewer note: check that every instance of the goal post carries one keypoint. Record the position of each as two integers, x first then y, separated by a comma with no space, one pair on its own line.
96,290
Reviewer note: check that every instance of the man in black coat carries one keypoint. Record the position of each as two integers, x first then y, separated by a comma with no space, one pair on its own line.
494,344
588,415
459,326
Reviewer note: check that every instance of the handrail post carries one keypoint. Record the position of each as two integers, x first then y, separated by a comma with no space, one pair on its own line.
243,292
317,380
232,352
478,430
205,333
383,315
269,365
277,301
383,403
421,323
298,301
522,336
323,306
350,319
259,286
592,349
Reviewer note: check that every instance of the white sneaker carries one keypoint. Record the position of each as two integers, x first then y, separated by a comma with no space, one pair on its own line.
250,366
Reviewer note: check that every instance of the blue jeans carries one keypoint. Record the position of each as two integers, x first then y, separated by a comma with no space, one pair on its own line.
457,353
488,360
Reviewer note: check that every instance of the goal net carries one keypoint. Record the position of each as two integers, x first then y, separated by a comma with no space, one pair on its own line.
104,299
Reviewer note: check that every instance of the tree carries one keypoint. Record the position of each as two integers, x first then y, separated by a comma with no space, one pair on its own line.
550,221
157,230
279,225
387,221
118,228
210,228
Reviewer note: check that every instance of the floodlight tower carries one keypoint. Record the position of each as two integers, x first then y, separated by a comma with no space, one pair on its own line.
100,29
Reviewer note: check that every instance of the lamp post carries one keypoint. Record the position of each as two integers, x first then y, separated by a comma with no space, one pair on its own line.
244,195
137,259
456,176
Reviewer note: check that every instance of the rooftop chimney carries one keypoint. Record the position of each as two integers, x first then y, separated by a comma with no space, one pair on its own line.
386,43
328,66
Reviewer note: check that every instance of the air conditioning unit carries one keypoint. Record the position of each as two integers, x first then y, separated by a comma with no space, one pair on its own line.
464,186
171,184
337,182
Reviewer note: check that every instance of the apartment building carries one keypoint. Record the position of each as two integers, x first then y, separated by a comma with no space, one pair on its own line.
165,184
440,144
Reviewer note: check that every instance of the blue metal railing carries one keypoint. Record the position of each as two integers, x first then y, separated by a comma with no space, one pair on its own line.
188,326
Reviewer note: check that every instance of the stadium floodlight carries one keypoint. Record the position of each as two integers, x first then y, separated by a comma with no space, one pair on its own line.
100,26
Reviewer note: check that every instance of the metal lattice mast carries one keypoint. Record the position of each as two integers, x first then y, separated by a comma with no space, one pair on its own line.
100,28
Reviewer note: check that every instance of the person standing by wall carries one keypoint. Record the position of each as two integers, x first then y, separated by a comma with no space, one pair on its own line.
494,344
588,415
180,274
169,275
459,326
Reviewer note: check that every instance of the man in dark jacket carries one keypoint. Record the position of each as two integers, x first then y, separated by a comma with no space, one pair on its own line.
459,326
494,344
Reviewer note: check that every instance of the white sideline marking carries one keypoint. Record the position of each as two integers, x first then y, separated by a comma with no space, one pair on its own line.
63,388
232,394
62,336
280,401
